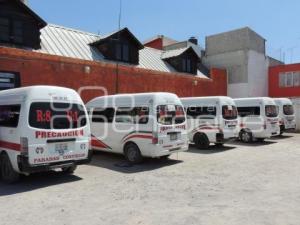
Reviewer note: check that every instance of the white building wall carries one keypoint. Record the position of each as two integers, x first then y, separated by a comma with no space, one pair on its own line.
258,65
238,90
296,102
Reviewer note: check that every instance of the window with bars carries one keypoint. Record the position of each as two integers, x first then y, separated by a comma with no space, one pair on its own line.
289,79
11,31
122,52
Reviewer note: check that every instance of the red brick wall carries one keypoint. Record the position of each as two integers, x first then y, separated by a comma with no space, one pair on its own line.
274,89
157,43
42,69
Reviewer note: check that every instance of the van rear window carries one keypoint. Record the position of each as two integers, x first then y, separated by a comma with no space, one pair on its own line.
170,114
46,115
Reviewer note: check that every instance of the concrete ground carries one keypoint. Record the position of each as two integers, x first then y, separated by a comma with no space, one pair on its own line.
238,184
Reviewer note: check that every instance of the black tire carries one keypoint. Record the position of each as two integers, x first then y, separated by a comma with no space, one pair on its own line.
260,139
201,141
219,144
8,174
133,153
282,128
69,170
246,136
165,157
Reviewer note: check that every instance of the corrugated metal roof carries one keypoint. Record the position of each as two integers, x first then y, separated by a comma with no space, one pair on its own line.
173,53
57,40
67,42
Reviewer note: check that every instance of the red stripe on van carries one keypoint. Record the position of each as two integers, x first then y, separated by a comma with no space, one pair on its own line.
99,144
10,145
139,136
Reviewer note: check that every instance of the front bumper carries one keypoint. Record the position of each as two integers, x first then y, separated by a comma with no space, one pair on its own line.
25,167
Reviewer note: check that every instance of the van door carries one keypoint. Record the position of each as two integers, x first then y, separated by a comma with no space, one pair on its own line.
103,133
57,132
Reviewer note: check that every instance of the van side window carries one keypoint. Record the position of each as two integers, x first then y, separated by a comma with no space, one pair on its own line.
195,112
103,115
9,115
137,115
249,111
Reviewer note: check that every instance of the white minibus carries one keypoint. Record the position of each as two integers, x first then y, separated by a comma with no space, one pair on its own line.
258,118
42,128
138,125
210,120
287,117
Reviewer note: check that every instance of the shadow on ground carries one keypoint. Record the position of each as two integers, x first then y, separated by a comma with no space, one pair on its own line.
213,149
253,144
36,181
118,163
281,137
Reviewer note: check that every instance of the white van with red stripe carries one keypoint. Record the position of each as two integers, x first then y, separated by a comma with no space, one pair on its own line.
258,118
210,120
42,128
287,117
138,125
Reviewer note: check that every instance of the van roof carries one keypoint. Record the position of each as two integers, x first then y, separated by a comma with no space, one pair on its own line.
140,98
254,100
206,97
283,100
38,92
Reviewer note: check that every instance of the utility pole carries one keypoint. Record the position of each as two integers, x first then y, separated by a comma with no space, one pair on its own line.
118,42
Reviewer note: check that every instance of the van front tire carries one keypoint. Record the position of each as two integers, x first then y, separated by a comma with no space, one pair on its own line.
8,174
201,141
133,153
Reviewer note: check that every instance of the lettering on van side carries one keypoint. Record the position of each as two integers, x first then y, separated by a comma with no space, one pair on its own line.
182,127
51,134
57,158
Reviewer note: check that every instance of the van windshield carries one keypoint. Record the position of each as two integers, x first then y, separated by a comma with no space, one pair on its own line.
271,111
46,115
170,114
229,112
288,110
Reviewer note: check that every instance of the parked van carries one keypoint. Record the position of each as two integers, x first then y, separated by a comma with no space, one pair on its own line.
287,117
138,125
210,120
42,128
258,118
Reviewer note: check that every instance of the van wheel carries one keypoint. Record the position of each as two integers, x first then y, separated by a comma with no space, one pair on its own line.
201,141
133,153
165,157
260,139
281,129
69,170
246,136
219,144
8,174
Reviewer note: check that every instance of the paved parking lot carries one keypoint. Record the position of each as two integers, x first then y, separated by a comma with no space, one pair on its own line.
237,184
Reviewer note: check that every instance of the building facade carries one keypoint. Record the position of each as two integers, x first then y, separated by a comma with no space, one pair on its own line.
284,81
33,52
242,53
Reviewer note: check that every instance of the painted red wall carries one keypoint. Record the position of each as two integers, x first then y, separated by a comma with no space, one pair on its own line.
274,89
157,43
43,69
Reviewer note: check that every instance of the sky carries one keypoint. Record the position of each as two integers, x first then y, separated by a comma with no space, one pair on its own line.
275,20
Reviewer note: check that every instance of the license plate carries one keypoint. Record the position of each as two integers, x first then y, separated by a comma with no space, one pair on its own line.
173,137
61,148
